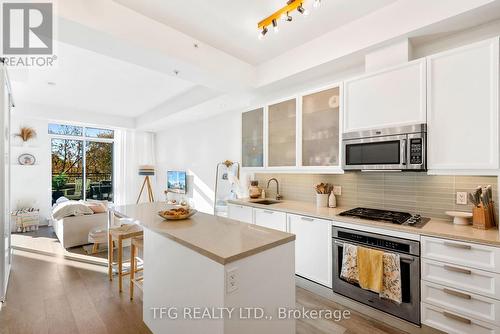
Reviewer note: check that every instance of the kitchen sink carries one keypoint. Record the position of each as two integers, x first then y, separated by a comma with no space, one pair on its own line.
266,201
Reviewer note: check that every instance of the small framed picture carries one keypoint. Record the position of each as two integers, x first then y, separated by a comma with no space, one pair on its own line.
26,159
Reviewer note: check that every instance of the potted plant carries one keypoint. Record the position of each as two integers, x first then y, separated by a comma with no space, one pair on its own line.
58,183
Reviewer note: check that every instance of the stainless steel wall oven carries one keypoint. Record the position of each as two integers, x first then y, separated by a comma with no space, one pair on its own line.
409,252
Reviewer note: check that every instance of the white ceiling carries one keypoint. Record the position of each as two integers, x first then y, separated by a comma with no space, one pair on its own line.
231,25
85,80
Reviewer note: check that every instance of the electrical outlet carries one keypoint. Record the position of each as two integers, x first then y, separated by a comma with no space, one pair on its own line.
337,190
231,280
462,197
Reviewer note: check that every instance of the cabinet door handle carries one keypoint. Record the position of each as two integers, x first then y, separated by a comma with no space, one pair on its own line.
455,245
457,294
307,219
268,212
457,270
457,318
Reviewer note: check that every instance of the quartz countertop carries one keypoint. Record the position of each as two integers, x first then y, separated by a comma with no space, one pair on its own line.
435,227
220,239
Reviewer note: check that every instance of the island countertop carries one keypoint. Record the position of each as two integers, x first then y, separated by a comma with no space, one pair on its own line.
220,239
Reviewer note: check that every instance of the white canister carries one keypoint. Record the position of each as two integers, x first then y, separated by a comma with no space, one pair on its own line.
322,200
332,201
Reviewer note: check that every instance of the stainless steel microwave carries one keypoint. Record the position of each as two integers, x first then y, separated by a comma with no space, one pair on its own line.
398,149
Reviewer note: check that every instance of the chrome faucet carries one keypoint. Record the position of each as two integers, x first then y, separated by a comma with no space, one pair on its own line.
278,196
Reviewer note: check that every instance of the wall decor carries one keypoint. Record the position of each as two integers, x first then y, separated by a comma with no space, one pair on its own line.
26,133
26,159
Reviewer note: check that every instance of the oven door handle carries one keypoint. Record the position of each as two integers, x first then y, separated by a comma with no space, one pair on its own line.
404,151
403,258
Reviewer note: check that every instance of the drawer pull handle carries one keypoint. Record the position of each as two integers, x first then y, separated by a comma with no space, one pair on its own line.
307,219
455,245
268,212
457,294
458,270
457,318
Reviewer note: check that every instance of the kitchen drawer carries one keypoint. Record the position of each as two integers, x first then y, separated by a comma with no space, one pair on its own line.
270,219
240,212
467,304
462,253
453,323
482,282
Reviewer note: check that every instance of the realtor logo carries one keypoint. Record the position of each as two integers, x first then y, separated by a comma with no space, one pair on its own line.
27,28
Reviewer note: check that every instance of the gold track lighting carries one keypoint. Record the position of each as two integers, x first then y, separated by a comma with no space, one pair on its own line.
283,13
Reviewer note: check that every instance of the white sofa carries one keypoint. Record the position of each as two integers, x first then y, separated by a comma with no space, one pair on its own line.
74,231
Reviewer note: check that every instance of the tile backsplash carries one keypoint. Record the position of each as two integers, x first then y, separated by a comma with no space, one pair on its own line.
420,193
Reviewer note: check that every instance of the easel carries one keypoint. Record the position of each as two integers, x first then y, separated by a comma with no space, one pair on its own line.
147,182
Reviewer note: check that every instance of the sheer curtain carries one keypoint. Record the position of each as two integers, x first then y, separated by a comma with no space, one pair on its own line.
132,149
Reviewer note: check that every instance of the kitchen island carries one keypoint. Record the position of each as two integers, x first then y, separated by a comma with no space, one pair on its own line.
208,274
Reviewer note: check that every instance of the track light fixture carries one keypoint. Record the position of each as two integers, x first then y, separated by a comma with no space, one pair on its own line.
284,14
275,26
287,17
263,33
302,10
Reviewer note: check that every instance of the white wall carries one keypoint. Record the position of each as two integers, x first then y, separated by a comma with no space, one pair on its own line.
197,148
31,185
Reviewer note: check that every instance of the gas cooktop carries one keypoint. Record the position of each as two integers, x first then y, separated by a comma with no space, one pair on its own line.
394,217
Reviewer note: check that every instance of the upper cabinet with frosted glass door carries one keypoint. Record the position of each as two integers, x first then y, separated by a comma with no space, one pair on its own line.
282,134
252,139
321,128
297,134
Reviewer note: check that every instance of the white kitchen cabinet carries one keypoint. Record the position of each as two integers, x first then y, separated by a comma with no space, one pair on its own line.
461,253
450,322
240,212
282,134
270,219
462,107
387,98
252,138
320,120
313,248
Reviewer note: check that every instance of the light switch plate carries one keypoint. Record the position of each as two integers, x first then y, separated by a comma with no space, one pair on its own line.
337,190
462,197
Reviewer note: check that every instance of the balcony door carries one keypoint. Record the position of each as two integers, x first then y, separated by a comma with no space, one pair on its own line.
82,162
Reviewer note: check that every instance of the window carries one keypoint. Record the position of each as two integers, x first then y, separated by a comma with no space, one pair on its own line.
82,162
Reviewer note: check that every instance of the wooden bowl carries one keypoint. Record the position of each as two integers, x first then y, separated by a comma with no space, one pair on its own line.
181,217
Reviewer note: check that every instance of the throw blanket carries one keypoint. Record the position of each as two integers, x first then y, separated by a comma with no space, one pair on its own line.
391,273
70,208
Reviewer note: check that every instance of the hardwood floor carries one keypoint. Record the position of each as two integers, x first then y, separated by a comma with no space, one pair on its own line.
50,294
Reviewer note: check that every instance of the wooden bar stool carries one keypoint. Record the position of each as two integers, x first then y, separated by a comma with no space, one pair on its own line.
119,235
137,245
